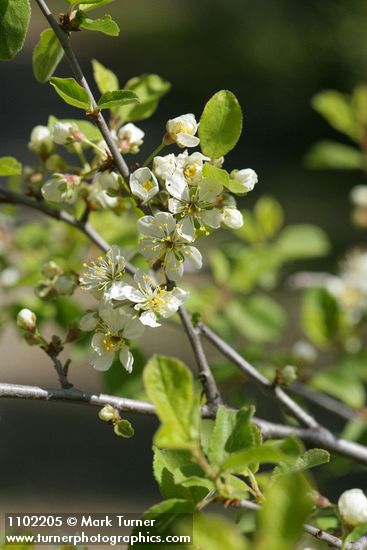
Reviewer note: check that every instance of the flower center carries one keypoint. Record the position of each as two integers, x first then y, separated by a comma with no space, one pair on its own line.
148,185
110,342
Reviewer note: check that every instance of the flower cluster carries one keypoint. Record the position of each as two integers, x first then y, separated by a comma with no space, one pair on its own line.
183,197
124,310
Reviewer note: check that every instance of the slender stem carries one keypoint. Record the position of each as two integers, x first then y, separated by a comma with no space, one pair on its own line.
310,529
205,374
325,402
268,429
264,383
64,40
154,154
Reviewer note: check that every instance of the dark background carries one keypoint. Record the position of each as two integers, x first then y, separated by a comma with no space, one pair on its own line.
274,55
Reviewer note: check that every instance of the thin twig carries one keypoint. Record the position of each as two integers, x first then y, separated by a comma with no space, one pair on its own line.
325,402
268,429
310,529
264,383
64,40
205,374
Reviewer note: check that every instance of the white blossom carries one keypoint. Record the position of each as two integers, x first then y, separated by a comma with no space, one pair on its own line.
192,166
358,195
113,335
64,133
245,179
151,300
129,138
61,188
99,276
144,184
352,506
182,130
163,242
232,218
41,140
89,321
194,205
102,183
26,319
165,167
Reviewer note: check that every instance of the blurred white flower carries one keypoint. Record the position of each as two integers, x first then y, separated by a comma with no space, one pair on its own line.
352,506
102,183
64,133
358,195
144,184
89,321
61,188
182,130
41,141
129,138
26,319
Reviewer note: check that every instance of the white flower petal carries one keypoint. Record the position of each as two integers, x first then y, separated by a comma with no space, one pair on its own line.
126,358
193,256
187,140
102,362
149,319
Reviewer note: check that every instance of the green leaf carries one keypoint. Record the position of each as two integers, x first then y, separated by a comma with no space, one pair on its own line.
296,242
71,92
14,21
286,508
336,108
232,432
178,477
309,459
326,155
92,5
106,24
257,317
239,461
9,166
217,174
269,216
106,80
167,518
320,316
123,428
90,131
359,103
216,532
343,383
149,88
220,124
169,386
46,55
117,98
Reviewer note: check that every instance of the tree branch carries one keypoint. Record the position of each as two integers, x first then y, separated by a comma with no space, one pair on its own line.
264,383
325,402
205,374
64,40
268,429
310,529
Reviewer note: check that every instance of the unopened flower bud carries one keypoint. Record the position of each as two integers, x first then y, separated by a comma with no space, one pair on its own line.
246,179
64,133
65,284
61,188
108,413
51,269
352,506
231,217
358,195
27,320
287,375
41,141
